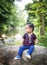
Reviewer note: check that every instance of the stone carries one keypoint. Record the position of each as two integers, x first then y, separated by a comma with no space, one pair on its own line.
39,56
1,64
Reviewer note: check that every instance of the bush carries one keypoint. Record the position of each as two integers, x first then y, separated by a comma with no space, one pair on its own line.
43,40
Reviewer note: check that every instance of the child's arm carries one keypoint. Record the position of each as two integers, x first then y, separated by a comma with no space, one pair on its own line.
36,41
22,40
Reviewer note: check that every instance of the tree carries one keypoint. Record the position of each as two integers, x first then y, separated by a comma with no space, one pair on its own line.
38,10
8,14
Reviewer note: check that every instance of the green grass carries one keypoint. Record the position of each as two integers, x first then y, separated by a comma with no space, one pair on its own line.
43,44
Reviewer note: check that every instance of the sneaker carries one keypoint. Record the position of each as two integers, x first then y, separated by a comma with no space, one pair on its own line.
28,56
17,57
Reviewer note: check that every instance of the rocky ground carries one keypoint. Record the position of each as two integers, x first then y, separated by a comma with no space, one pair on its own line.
39,56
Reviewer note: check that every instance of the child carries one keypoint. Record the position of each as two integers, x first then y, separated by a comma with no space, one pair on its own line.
29,40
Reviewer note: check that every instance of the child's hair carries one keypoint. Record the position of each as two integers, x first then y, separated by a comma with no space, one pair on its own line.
31,25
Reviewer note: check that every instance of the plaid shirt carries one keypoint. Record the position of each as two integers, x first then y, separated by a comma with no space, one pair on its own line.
29,40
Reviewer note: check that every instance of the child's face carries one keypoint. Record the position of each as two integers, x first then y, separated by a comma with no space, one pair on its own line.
28,29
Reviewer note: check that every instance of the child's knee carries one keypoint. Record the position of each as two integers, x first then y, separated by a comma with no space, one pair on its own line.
32,47
22,47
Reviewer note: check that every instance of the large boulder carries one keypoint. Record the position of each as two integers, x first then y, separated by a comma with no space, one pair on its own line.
39,56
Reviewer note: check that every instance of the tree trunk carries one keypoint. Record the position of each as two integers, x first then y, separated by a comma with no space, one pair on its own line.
42,29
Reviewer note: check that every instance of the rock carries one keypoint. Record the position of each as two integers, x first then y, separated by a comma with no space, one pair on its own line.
1,44
1,64
39,56
9,41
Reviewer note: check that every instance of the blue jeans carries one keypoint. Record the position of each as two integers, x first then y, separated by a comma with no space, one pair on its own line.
22,48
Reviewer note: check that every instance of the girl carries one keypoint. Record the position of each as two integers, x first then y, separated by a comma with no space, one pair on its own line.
29,40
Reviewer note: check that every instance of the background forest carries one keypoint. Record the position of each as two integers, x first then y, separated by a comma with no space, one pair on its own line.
13,19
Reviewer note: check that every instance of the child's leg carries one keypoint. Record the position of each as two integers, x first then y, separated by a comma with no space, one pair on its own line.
21,49
31,49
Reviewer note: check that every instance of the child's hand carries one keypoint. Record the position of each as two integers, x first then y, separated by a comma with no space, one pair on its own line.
36,41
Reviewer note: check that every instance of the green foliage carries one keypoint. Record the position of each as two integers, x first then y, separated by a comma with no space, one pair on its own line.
37,14
37,11
43,40
36,8
8,15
